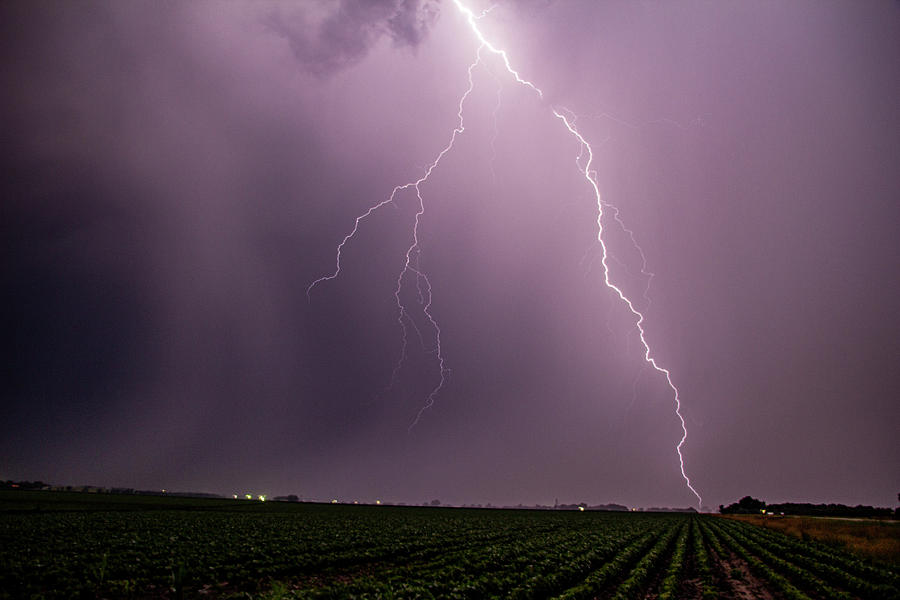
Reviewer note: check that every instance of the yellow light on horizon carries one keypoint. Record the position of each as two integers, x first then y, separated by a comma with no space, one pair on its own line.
581,508
262,498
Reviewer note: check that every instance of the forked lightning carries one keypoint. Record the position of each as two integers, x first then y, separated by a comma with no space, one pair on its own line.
411,267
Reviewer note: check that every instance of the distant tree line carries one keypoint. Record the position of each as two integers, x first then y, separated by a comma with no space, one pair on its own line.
22,485
93,489
288,498
751,506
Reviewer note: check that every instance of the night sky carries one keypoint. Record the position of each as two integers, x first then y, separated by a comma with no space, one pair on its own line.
175,175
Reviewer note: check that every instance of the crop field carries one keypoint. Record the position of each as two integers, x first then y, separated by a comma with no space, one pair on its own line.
874,538
93,546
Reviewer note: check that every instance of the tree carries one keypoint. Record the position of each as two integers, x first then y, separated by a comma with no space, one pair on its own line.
745,506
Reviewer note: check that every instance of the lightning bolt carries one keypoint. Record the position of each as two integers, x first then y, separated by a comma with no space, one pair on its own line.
590,176
639,317
411,267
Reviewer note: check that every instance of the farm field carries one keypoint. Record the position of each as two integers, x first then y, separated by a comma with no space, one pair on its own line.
95,546
877,539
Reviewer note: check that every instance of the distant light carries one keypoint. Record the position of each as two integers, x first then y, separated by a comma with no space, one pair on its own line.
248,496
262,498
334,501
355,502
163,491
581,508
378,502
234,496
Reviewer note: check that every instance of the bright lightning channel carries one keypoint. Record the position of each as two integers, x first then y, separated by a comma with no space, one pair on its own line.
639,323
590,177
411,265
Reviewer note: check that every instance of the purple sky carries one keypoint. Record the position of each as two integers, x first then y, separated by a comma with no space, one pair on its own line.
175,176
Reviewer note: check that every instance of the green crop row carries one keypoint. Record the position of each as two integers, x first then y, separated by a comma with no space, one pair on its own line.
791,570
840,568
604,550
762,568
701,559
633,586
714,541
669,586
803,568
533,568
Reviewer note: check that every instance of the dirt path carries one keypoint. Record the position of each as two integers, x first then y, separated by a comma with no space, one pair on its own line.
735,581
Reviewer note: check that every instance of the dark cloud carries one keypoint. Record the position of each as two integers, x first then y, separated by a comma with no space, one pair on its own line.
343,35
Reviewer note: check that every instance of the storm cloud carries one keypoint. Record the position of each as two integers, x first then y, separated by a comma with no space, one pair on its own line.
328,36
175,176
